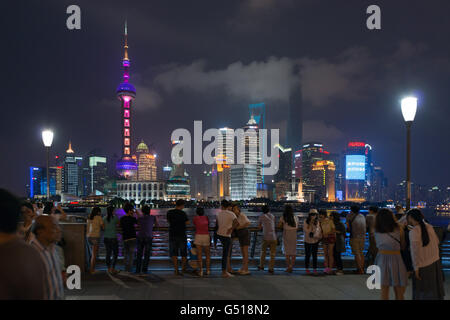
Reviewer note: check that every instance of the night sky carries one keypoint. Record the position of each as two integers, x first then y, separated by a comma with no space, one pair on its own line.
207,60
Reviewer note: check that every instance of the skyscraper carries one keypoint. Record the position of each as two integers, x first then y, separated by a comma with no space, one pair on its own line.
72,173
243,182
220,178
252,152
126,167
97,176
323,180
295,120
379,184
358,171
146,163
38,181
310,154
284,165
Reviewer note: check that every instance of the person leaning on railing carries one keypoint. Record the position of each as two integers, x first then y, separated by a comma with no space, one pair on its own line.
243,236
266,222
289,223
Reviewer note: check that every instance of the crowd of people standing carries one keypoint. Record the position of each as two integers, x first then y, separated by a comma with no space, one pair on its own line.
402,246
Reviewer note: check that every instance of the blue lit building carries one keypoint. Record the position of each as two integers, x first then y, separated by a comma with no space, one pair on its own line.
358,171
38,181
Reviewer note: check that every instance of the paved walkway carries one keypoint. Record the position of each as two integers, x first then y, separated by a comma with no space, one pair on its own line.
163,284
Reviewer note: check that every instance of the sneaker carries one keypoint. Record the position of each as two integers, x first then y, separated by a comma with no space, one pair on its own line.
315,273
260,268
308,272
339,273
271,271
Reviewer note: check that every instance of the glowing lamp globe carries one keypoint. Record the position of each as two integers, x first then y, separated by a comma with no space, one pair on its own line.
47,137
409,108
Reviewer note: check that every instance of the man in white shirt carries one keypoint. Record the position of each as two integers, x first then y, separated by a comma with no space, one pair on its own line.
226,222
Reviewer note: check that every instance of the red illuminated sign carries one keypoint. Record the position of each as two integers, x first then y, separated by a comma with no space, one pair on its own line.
356,144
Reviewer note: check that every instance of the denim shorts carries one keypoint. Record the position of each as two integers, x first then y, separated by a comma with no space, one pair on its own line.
178,247
93,241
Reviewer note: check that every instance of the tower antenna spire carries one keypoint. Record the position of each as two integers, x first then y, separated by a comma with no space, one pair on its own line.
125,57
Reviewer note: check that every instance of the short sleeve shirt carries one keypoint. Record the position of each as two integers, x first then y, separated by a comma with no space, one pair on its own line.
225,220
267,221
110,227
177,223
358,226
127,223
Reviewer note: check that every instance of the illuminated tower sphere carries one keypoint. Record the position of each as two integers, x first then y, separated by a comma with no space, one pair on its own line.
126,167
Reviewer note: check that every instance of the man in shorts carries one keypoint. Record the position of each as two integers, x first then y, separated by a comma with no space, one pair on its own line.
178,220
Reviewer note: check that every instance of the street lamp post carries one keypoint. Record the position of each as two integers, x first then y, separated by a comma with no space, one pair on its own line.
409,108
47,139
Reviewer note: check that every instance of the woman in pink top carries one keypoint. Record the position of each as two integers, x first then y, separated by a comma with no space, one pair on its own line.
202,239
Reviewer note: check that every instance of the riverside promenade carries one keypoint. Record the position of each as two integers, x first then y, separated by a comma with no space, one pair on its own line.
162,284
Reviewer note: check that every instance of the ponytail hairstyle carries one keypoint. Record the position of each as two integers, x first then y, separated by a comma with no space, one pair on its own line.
109,213
417,215
95,212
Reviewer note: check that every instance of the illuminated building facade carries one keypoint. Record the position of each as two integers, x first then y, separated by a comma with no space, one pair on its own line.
379,184
38,182
323,180
141,190
298,164
310,154
252,153
146,163
58,172
97,175
72,173
220,178
126,167
243,182
358,171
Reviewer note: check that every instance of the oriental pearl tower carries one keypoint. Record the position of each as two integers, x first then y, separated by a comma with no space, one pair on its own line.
126,167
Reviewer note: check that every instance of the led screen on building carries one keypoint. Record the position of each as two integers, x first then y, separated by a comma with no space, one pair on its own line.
355,167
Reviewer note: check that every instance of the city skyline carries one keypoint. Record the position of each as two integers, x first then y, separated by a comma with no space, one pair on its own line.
163,98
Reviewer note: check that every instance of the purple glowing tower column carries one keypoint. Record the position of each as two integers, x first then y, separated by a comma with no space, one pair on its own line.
126,167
